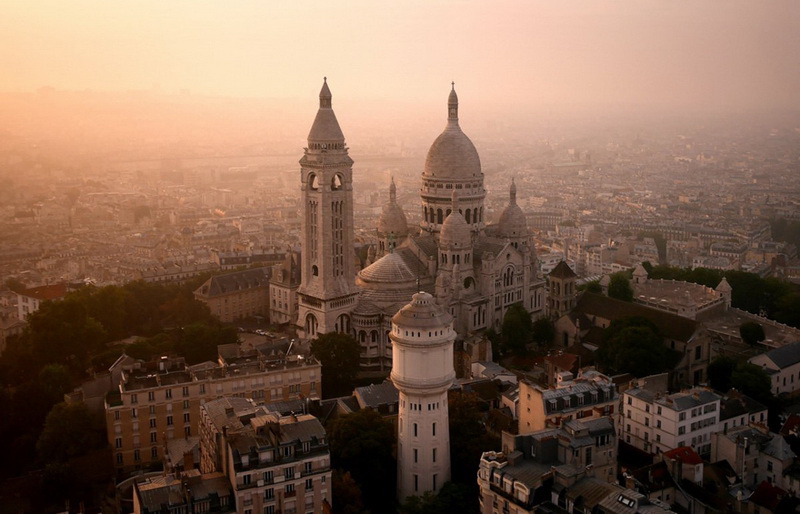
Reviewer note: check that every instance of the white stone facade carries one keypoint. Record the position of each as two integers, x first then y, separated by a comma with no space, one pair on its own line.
422,371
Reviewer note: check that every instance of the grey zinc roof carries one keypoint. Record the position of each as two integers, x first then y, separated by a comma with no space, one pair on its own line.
236,281
785,356
305,428
427,244
375,395
687,400
778,447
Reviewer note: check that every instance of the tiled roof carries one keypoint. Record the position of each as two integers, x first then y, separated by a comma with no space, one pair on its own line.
51,292
562,270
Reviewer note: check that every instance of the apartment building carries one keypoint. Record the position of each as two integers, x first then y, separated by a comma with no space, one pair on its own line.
654,422
783,366
535,467
236,295
590,395
756,455
161,400
275,463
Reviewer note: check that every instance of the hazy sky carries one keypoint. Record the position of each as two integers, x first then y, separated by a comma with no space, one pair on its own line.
724,54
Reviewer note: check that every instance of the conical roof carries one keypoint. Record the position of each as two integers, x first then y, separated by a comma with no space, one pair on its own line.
325,128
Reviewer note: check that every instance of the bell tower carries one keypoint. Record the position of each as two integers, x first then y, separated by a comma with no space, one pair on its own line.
327,291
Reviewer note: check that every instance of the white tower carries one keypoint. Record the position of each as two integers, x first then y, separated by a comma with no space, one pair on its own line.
422,370
327,291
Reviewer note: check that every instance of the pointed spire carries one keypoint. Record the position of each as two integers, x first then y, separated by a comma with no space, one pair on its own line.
452,106
512,193
392,192
325,95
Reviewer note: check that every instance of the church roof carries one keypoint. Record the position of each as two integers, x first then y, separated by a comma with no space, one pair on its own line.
452,155
325,127
562,270
389,268
392,219
455,231
512,221
427,244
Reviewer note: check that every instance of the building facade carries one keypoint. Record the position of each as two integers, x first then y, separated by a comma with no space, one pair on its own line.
161,400
656,423
590,395
422,371
274,463
237,295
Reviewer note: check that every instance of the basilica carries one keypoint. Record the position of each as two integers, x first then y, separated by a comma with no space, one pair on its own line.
473,269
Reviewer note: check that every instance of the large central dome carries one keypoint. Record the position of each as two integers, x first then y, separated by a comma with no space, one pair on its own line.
452,155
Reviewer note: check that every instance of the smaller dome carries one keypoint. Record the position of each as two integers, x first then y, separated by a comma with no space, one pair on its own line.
455,231
391,268
393,219
512,222
423,313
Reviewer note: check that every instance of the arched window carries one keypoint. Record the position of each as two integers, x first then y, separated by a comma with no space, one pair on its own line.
336,182
373,336
343,324
311,325
314,270
362,336
448,212
439,216
469,215
313,182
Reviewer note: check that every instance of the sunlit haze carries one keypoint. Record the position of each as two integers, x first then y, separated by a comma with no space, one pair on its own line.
700,54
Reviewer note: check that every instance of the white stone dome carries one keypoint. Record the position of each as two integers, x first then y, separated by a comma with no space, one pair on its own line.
512,221
423,313
456,232
452,155
393,219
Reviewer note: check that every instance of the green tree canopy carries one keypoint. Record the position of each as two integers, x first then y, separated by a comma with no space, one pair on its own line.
361,443
543,332
593,287
69,431
753,381
347,497
517,329
633,345
751,332
468,438
719,373
339,355
620,287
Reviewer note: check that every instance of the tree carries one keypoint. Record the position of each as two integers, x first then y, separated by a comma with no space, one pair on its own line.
55,381
361,443
751,332
719,373
753,381
14,284
339,355
69,431
593,287
451,498
517,329
468,438
633,345
620,287
347,497
543,332
198,341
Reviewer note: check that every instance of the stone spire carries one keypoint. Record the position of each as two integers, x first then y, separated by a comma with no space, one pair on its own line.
392,192
512,193
325,95
452,106
325,132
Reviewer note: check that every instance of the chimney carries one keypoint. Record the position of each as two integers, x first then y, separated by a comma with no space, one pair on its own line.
188,461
